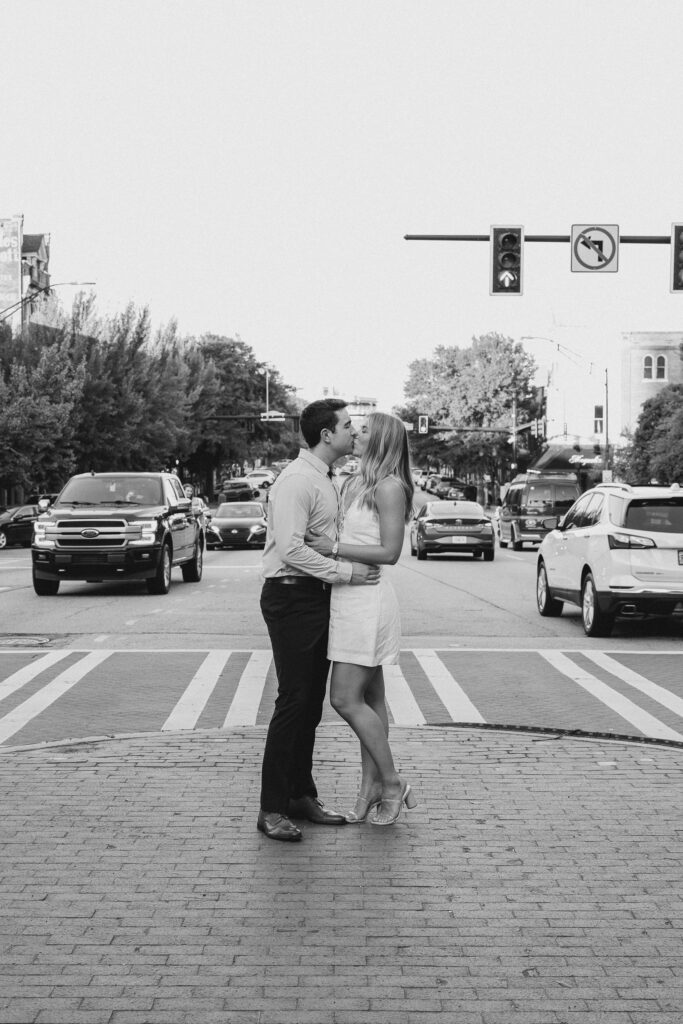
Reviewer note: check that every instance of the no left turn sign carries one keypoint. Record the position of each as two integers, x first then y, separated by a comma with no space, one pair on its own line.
595,247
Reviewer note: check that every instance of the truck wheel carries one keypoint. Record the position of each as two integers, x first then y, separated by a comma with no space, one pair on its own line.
45,588
160,583
516,543
421,553
192,570
503,543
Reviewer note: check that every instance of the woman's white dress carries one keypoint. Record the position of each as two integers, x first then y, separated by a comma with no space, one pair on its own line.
365,624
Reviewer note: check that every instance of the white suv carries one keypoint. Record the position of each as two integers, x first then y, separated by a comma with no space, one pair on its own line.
617,552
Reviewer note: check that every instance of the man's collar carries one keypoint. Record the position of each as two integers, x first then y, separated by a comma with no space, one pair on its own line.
307,455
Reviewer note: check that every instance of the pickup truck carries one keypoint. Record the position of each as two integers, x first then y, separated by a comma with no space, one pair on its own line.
110,526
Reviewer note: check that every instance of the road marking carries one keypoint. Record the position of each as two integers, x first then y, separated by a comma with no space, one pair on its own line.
451,694
245,704
193,701
404,708
646,723
664,697
23,713
28,672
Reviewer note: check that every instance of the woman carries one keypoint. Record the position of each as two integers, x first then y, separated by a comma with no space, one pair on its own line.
365,627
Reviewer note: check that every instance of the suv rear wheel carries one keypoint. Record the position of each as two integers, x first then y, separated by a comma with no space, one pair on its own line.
595,621
547,604
516,542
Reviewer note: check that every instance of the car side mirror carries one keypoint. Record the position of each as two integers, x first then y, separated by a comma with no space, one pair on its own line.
551,523
184,505
44,504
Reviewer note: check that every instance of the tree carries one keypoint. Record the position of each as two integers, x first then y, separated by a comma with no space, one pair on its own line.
656,451
474,387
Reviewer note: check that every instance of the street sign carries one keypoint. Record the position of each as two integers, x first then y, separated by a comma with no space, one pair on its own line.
272,415
595,247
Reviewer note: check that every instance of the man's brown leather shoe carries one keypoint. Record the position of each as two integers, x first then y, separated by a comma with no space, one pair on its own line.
312,809
276,826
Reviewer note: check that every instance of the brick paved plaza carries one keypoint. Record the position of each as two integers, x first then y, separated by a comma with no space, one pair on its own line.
537,882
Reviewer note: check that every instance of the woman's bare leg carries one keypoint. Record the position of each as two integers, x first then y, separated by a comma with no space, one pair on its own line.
357,694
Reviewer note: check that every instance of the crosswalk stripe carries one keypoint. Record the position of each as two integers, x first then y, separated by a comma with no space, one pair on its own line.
28,672
645,722
451,694
627,675
193,701
404,708
245,704
23,713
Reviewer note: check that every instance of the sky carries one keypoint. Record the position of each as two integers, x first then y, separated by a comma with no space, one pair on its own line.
249,168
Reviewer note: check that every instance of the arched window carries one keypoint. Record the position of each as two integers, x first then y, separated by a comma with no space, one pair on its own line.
647,368
661,367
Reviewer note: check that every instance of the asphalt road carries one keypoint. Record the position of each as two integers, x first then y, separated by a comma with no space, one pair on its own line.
106,659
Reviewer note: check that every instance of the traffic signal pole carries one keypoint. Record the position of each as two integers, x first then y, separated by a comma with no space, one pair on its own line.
633,239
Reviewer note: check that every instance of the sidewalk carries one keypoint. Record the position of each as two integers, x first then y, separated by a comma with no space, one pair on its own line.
537,882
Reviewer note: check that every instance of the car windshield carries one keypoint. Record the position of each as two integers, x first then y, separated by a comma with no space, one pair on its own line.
114,490
656,516
455,508
237,510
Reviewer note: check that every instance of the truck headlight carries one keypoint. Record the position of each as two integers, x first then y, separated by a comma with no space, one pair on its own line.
40,535
148,532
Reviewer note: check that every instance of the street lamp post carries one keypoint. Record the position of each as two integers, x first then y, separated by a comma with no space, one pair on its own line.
569,353
19,305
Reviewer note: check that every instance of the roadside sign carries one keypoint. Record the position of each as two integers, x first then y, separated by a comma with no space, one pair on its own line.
595,247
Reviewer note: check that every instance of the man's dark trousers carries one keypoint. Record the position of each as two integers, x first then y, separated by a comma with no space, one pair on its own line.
298,619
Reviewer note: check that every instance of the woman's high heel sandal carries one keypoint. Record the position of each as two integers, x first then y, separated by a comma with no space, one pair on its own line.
362,807
389,810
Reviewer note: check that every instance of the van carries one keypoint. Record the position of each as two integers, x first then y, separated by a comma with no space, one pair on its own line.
531,498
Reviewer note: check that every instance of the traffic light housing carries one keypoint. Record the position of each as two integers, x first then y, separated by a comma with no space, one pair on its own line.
676,281
423,424
507,244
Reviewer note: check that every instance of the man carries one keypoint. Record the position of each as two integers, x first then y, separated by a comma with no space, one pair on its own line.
295,603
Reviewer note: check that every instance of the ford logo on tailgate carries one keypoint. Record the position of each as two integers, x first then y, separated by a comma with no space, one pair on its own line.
90,534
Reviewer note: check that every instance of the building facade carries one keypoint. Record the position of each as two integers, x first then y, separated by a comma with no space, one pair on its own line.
650,361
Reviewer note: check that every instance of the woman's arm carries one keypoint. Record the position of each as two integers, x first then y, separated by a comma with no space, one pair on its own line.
391,505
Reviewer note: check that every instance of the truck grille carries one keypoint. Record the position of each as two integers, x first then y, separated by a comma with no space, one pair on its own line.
73,533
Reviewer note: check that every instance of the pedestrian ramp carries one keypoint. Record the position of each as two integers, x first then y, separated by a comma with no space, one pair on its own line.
47,696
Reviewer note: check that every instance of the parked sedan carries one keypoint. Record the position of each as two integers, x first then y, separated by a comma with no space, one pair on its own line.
237,525
16,525
453,527
618,552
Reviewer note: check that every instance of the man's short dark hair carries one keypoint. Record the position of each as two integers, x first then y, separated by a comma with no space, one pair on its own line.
319,416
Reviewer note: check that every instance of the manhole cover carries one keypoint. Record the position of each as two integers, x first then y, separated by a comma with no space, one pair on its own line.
24,641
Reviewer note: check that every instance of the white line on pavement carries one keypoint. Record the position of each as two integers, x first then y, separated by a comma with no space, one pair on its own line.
28,672
648,724
245,704
451,694
404,708
23,713
665,697
193,701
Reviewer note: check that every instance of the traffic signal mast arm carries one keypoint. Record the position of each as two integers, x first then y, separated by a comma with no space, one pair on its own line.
641,239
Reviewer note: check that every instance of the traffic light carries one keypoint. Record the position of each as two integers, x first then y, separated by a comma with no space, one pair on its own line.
506,260
534,428
677,257
423,424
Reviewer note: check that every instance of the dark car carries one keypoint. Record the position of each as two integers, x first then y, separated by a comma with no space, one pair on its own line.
16,525
452,527
117,526
237,525
237,489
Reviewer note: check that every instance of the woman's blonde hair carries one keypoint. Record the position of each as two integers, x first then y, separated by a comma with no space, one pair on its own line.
386,455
